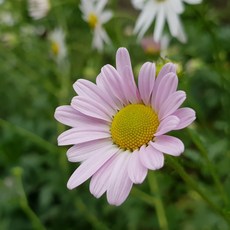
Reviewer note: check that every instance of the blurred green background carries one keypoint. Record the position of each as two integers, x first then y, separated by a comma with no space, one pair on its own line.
34,171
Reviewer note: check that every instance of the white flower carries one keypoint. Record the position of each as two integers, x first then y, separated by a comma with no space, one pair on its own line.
38,8
162,10
94,15
58,46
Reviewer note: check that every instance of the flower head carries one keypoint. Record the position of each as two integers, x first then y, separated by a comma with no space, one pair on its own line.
162,10
95,15
152,47
58,46
38,8
119,129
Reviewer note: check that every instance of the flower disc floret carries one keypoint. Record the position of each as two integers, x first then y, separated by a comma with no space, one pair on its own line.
134,126
93,20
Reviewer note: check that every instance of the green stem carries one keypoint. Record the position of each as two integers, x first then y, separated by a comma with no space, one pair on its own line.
196,140
23,201
143,196
155,190
179,169
31,136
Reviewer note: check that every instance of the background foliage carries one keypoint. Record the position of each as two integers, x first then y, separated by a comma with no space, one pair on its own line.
34,171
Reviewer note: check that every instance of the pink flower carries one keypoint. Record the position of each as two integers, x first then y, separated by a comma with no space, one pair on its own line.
119,129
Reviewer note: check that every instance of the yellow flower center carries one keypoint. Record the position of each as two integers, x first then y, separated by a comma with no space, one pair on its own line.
134,126
55,48
92,20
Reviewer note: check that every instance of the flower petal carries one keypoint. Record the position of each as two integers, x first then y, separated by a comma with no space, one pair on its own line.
171,104
120,184
151,158
90,166
100,180
105,88
186,116
169,145
168,124
146,81
160,20
145,19
83,151
89,90
106,16
137,172
114,83
166,87
66,115
92,108
124,68
173,21
193,1
167,68
75,136
100,6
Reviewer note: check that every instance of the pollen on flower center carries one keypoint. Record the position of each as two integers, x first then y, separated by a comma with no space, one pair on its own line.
92,20
55,48
134,126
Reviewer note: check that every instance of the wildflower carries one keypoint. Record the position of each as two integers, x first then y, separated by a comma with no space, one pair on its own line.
38,8
58,46
162,10
119,130
152,47
94,15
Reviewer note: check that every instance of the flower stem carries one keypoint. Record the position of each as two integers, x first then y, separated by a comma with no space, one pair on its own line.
35,221
143,196
179,169
31,136
155,190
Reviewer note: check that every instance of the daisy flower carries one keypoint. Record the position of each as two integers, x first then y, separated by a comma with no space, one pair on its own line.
58,46
119,129
38,8
162,10
95,15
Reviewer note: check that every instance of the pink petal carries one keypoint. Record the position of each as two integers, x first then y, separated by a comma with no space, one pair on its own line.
166,87
167,68
75,136
120,184
171,104
124,68
114,83
83,151
122,60
71,117
151,158
90,166
66,115
104,85
100,180
129,87
186,116
92,108
146,81
137,172
87,89
169,145
168,124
